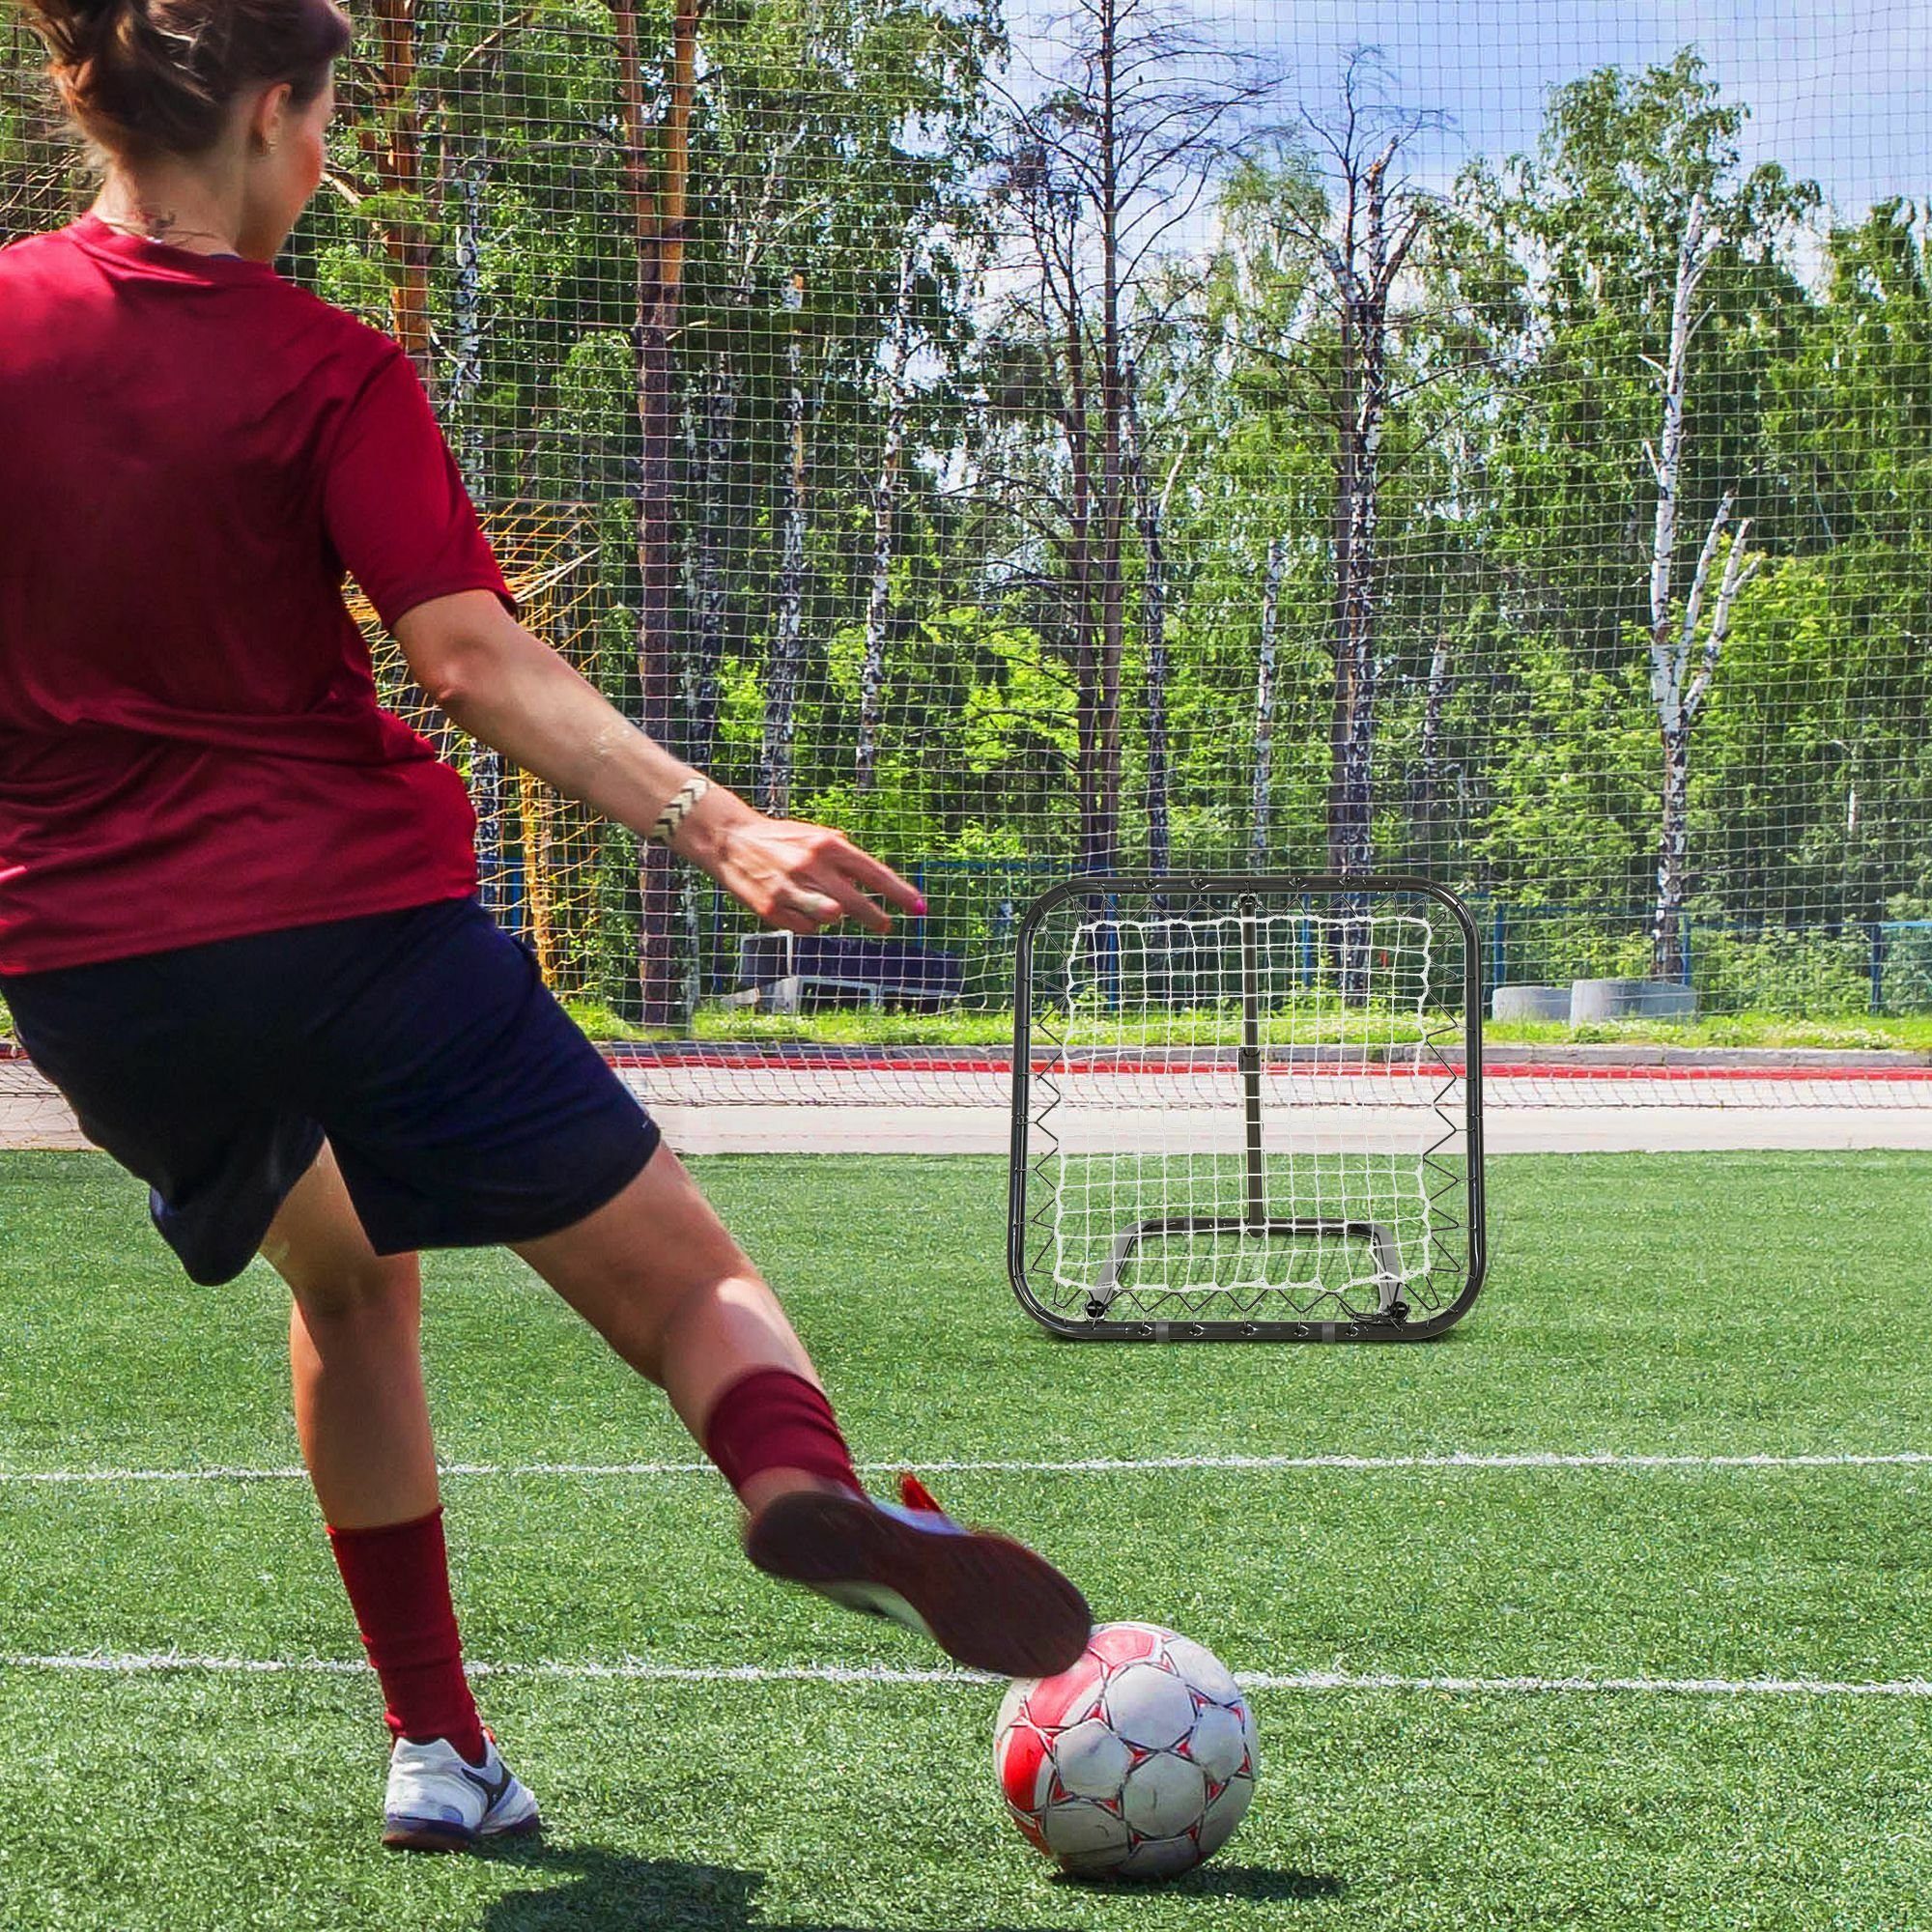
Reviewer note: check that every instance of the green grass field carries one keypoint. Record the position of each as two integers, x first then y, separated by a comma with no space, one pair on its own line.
871,1026
1691,1308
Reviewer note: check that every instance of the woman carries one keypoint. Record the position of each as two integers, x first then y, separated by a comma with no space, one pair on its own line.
236,923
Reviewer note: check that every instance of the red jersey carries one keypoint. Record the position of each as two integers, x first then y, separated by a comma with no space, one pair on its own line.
193,454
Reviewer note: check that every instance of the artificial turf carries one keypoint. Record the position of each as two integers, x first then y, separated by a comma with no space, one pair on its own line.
1716,1305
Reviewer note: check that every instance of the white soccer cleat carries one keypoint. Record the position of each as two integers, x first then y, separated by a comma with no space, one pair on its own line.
436,1802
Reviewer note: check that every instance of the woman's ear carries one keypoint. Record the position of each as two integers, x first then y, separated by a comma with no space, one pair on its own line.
270,118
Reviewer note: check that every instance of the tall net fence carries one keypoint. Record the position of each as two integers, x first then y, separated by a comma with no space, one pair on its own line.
1489,441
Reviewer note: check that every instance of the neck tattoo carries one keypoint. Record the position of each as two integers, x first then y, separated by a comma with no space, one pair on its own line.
152,224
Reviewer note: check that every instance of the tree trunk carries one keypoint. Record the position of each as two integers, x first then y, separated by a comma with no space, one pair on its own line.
1667,665
1352,798
1677,688
1428,762
711,564
657,197
786,661
1150,513
392,139
885,519
1668,959
1075,423
1106,822
713,540
1260,811
471,172
1365,276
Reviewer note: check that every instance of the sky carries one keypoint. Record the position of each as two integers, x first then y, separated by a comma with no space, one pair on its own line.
1841,93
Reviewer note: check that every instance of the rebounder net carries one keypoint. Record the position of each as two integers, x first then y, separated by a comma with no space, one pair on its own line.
1482,440
1248,1107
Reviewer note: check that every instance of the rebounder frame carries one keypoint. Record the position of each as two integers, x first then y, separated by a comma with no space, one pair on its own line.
1392,1319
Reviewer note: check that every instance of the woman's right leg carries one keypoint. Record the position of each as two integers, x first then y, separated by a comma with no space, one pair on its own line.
658,1276
655,1271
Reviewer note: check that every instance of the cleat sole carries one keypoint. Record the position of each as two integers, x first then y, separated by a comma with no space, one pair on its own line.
989,1603
416,1836
413,1837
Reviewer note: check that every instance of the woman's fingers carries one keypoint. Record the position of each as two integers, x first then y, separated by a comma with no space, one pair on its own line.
817,876
802,901
823,896
876,877
858,906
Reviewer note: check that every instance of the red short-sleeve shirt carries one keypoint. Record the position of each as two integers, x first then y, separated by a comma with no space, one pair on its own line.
193,454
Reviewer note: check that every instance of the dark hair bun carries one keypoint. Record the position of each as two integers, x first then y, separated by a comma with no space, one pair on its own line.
146,76
71,28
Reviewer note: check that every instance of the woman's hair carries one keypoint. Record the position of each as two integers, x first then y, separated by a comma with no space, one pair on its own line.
157,76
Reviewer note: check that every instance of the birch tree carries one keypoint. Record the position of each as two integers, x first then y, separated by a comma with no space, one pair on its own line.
1363,233
1150,518
786,663
1261,790
1681,664
885,519
1657,272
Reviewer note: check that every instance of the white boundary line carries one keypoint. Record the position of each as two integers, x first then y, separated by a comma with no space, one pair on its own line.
639,1670
1096,1465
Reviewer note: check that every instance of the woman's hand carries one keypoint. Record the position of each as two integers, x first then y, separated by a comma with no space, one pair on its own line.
793,875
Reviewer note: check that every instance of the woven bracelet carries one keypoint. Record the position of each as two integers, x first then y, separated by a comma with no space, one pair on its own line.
679,809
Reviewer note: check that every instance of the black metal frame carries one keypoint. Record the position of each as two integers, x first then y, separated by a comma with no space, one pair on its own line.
1392,1321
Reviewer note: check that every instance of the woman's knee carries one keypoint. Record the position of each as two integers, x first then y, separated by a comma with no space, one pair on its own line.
356,1287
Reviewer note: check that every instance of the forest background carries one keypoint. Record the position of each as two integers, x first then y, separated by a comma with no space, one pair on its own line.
1092,441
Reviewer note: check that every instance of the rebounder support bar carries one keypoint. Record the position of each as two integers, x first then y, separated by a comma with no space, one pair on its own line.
1382,1239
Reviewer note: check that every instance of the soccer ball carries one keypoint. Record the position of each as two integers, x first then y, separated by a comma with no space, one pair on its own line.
1137,1763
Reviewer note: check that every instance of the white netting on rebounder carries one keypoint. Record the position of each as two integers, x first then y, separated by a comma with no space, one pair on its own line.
1256,1114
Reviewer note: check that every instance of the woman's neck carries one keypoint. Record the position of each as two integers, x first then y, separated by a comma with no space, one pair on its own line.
171,207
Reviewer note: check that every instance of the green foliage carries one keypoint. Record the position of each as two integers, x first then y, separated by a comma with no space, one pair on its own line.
853,142
1804,974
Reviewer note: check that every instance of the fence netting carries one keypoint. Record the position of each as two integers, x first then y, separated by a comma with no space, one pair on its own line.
1489,441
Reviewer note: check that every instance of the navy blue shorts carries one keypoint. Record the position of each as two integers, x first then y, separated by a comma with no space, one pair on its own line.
464,1106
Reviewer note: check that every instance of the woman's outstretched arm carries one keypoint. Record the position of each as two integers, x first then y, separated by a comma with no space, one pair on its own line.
507,687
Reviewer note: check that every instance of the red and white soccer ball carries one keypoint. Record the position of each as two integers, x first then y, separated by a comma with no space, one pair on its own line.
1137,1763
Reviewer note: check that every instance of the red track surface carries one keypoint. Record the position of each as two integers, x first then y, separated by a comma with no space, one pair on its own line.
805,1058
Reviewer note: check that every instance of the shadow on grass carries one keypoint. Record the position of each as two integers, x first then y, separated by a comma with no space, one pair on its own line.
605,1891
1263,1884
1255,1882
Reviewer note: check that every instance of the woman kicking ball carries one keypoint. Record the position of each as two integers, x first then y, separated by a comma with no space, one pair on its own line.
238,924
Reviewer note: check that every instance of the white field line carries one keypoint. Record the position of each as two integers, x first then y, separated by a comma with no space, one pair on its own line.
1096,1465
632,1669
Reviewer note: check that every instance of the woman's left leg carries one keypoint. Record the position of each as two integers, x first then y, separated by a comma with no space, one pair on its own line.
364,1421
362,1418
355,1327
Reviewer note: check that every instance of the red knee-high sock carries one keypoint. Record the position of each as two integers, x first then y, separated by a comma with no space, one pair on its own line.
398,1582
772,1419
